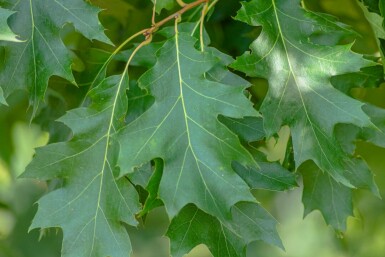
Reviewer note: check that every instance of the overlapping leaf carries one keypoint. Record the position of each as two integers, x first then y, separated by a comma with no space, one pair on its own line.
374,12
368,77
228,238
163,4
322,192
6,33
182,128
269,175
348,133
42,54
300,93
92,203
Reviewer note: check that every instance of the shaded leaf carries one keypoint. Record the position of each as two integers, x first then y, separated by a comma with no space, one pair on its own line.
6,33
164,4
368,77
249,129
270,176
349,134
322,193
372,10
92,203
2,99
42,54
148,178
224,238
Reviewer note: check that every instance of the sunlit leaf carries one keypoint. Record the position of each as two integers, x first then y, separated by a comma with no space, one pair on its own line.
299,72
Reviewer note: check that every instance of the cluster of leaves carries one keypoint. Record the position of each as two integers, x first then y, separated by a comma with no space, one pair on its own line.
183,134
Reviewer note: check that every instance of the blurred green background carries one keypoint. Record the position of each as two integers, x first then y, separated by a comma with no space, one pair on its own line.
302,237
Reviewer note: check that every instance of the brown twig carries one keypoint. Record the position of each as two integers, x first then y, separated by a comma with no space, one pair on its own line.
177,14
148,34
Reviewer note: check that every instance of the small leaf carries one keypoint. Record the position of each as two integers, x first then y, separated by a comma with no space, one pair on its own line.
270,176
372,11
2,99
163,4
348,133
249,129
228,238
368,77
322,193
6,33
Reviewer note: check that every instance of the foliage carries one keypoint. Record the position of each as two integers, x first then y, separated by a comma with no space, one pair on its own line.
172,117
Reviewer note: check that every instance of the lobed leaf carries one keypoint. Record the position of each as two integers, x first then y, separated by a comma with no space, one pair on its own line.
322,192
163,4
6,33
182,128
224,238
42,54
374,13
299,73
92,202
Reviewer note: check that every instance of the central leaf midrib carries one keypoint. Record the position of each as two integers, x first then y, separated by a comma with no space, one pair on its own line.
33,51
105,160
186,116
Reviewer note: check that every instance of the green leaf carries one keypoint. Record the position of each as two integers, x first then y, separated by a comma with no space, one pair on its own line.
42,54
299,72
376,21
372,5
139,101
228,238
382,8
182,129
2,99
349,134
270,176
6,33
149,179
368,77
93,202
322,192
164,4
119,9
249,129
